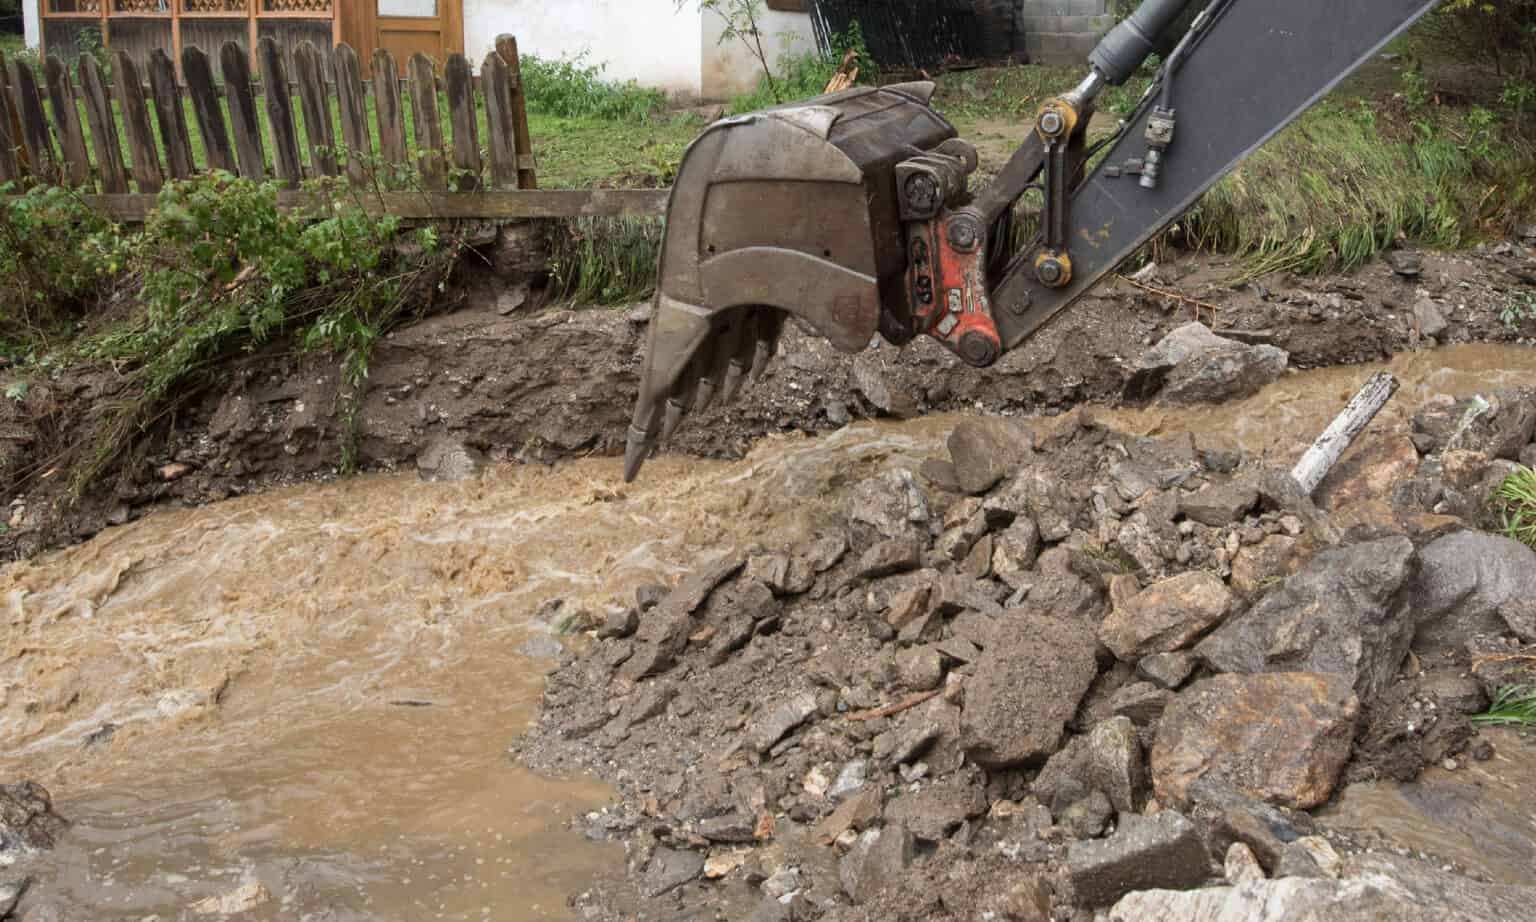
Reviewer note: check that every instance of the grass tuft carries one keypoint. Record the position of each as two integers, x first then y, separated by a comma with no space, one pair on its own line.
1513,706
604,260
1514,506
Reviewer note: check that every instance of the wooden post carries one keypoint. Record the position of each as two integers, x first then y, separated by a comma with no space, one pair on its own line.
274,85
502,144
242,112
66,119
352,109
506,46
169,115
206,109
386,105
98,114
459,85
1340,434
128,90
317,112
10,132
34,127
424,118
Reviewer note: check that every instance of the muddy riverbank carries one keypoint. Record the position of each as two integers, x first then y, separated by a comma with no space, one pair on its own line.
545,385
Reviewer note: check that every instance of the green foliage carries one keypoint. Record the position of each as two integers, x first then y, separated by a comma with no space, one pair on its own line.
1519,308
1513,505
16,391
572,87
804,75
54,253
218,269
741,21
1513,706
604,260
1475,30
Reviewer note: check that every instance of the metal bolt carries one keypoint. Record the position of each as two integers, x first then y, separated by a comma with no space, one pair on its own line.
1051,123
1050,271
978,350
1018,305
962,235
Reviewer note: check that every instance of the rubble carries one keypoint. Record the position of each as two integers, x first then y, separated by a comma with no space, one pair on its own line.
1162,851
1166,616
1194,365
1027,686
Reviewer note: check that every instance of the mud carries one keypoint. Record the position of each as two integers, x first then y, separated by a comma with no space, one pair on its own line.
557,383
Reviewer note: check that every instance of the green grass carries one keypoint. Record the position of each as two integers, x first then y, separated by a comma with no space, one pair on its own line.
1514,506
10,43
1513,706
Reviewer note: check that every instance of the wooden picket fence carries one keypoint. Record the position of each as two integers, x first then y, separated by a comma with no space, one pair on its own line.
46,145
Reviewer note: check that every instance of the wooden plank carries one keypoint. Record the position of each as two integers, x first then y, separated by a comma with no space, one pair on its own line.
169,115
386,105
242,112
66,121
506,46
285,140
508,204
461,115
206,109
34,125
99,115
496,84
129,93
425,122
352,108
317,112
11,151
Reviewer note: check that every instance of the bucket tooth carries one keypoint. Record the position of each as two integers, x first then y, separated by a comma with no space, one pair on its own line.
640,440
768,330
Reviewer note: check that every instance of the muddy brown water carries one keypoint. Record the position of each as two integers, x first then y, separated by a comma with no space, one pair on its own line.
313,688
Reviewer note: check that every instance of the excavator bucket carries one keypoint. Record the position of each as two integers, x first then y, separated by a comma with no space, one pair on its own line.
792,210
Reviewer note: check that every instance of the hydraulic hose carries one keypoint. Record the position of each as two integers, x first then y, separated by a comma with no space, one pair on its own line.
1130,43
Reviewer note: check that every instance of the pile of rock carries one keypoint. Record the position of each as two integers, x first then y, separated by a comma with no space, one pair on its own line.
1059,668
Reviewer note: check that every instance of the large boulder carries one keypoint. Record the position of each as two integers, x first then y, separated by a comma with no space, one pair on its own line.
1193,365
1348,612
1464,580
1282,738
1374,890
984,451
1028,684
1166,616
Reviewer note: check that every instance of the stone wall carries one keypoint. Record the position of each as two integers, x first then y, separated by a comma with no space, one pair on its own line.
1062,31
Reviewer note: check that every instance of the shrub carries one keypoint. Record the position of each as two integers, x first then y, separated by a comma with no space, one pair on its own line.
573,88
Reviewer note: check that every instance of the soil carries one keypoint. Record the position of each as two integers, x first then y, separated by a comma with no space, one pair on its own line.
539,385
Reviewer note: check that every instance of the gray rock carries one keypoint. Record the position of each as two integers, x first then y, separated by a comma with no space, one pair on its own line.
619,622
1428,318
1520,616
1375,890
1241,865
1258,567
1107,759
10,894
670,868
1087,817
1220,505
782,883
1309,856
920,668
930,732
1038,492
849,780
1141,702
1166,670
874,863
1014,552
1499,425
984,451
735,828
1193,365
1166,616
1464,581
937,809
896,555
887,506
27,821
447,459
1280,737
867,376
1348,612
1027,685
1163,851
771,724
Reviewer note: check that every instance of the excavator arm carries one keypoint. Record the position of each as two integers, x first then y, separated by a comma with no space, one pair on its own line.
853,211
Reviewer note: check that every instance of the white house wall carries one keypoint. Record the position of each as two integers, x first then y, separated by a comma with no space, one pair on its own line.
730,67
31,30
651,41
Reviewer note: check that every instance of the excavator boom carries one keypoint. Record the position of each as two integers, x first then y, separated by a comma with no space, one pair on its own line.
853,212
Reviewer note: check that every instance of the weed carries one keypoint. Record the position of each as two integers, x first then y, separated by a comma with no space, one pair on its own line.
16,391
1518,308
574,88
1513,706
604,260
1513,505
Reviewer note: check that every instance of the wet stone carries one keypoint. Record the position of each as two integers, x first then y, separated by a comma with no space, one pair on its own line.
670,868
1167,615
1145,853
620,622
984,451
1221,505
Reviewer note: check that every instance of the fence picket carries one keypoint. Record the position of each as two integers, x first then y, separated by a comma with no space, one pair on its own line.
242,112
459,85
424,118
206,109
169,115
10,131
34,126
351,108
66,120
506,46
317,112
274,86
99,115
128,90
494,84
386,104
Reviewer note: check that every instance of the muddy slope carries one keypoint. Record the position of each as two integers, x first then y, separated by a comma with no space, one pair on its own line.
559,383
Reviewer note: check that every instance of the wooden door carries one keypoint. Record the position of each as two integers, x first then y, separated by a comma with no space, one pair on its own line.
404,27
